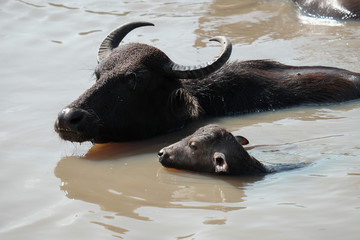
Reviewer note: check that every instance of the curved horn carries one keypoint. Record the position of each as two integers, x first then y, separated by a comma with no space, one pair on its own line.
114,38
204,69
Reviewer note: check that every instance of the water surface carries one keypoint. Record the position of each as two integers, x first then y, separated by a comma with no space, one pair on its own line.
52,189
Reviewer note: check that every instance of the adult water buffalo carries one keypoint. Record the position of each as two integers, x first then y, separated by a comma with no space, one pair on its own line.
332,9
140,92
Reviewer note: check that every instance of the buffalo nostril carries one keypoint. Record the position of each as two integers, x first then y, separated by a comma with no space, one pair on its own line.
69,118
164,158
161,152
76,117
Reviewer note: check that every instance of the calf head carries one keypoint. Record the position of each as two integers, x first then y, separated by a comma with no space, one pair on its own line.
137,94
210,149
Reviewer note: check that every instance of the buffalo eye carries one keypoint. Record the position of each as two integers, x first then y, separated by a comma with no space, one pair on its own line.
193,146
131,80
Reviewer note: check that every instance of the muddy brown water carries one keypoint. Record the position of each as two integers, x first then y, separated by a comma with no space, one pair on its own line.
51,189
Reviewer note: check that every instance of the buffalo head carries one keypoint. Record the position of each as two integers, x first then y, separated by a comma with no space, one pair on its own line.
137,94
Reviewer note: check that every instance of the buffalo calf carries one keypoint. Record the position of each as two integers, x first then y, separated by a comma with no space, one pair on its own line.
212,149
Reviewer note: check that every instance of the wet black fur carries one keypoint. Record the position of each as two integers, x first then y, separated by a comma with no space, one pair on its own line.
134,98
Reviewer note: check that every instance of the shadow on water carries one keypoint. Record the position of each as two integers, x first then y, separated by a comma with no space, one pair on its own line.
123,177
124,186
114,151
126,181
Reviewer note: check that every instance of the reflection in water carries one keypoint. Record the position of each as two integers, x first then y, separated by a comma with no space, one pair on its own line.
127,185
260,27
238,19
112,228
63,6
89,32
31,4
115,13
272,20
136,187
57,41
112,13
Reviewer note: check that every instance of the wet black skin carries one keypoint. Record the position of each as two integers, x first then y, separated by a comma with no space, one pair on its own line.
211,149
132,101
134,98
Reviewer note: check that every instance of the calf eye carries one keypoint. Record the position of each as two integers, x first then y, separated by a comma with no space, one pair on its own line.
193,146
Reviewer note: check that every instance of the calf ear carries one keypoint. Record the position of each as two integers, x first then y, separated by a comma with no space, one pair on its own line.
219,161
184,105
242,140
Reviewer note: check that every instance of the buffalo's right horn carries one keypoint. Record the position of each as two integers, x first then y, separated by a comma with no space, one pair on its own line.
114,38
192,72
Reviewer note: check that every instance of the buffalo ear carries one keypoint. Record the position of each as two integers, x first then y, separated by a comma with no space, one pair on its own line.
184,105
242,140
219,161
131,80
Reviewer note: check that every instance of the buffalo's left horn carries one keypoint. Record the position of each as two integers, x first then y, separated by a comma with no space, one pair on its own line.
114,38
204,69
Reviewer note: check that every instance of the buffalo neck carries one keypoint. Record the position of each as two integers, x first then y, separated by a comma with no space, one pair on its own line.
245,164
230,92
